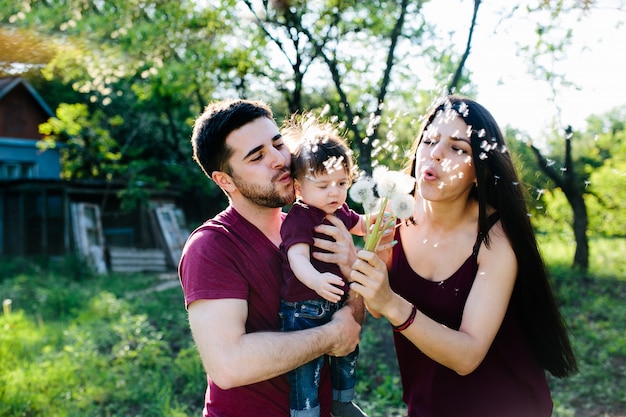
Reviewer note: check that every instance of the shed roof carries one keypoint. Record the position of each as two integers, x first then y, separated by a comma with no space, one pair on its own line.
9,83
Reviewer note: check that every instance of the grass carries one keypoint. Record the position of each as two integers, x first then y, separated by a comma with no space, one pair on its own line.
74,344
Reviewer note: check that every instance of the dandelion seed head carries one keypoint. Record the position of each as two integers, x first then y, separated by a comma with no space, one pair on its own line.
362,191
402,206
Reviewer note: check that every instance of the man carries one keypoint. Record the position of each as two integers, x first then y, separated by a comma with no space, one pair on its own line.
230,269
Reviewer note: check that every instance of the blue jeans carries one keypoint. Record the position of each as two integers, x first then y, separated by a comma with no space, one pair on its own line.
305,379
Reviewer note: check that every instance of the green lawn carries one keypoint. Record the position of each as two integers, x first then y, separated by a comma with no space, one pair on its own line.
72,344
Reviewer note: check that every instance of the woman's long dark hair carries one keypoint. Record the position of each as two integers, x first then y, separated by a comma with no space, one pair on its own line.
500,188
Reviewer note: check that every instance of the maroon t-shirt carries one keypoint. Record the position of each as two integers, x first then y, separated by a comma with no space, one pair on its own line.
298,228
508,382
228,257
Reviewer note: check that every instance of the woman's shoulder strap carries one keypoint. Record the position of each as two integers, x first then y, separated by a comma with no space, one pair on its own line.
491,220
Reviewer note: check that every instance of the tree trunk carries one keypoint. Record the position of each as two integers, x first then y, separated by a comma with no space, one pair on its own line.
567,181
581,256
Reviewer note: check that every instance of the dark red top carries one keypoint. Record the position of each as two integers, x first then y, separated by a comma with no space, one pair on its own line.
228,257
298,228
508,382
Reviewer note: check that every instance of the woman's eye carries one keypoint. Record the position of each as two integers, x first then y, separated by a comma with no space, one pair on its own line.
459,151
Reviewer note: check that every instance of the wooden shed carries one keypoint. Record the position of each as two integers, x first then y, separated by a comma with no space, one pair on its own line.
43,215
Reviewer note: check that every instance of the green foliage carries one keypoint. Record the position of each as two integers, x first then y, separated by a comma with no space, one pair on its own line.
97,352
87,148
106,346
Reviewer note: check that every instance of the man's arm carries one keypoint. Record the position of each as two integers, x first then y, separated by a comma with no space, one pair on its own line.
232,357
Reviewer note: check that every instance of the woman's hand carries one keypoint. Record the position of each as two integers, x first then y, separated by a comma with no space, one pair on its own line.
370,280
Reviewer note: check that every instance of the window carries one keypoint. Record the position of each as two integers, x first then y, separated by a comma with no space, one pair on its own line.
15,170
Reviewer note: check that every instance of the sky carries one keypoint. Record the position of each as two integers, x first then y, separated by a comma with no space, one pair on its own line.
596,63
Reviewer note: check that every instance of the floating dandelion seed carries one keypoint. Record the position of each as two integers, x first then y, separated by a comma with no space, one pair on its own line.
495,179
563,170
515,183
484,145
550,162
464,109
540,192
333,164
481,133
587,183
441,185
482,156
325,110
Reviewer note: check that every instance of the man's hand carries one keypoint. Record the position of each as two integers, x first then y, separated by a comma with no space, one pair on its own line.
346,334
341,251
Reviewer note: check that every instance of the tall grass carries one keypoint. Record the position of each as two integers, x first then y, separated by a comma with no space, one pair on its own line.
75,344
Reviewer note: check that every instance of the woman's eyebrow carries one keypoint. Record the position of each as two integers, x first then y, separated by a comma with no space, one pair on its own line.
459,139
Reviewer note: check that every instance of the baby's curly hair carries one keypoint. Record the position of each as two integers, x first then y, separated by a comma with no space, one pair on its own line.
316,147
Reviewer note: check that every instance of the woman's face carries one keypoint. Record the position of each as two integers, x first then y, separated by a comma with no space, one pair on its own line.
443,161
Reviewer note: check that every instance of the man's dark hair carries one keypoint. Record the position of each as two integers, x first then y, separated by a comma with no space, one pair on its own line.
216,122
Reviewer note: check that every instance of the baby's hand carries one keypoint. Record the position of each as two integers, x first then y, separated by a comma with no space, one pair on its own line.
328,287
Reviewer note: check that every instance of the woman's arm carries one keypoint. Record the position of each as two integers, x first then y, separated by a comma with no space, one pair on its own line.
460,350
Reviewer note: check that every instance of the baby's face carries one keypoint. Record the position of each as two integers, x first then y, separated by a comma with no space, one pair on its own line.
326,191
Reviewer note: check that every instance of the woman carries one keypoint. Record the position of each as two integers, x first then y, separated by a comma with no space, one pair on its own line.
467,293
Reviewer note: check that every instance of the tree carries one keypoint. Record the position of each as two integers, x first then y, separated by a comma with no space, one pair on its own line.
335,34
149,66
570,182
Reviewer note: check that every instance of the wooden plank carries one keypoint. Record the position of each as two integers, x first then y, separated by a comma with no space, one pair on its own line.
137,260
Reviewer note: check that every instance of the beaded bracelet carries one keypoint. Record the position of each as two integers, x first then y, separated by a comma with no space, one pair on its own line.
408,321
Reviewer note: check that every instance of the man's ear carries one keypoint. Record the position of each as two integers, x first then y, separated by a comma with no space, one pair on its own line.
224,181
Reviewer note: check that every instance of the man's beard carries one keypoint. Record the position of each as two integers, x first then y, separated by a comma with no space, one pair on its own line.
264,196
